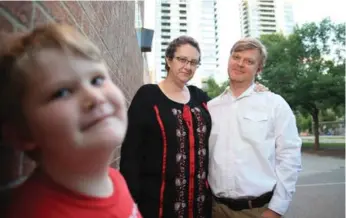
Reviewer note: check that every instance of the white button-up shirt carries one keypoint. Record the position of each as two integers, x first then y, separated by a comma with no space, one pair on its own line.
254,147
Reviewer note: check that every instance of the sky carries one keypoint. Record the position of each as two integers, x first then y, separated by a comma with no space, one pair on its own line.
304,11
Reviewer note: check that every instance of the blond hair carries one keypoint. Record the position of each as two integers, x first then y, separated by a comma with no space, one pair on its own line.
248,44
18,60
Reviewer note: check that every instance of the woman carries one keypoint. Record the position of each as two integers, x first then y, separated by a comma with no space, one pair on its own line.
164,157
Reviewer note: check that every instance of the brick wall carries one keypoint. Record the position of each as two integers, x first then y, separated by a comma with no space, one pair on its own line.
110,25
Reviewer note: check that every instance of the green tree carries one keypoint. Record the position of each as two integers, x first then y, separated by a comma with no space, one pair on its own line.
212,88
304,122
327,115
307,68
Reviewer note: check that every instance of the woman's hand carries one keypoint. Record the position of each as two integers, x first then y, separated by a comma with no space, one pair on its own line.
260,88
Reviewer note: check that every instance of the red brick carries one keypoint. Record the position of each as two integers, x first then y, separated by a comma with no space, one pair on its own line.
95,17
5,25
55,9
39,17
74,8
78,14
19,9
103,10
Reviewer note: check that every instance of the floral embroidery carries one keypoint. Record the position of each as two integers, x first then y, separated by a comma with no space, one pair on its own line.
181,204
202,152
181,160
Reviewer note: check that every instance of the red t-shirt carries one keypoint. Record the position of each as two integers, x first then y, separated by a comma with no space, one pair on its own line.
40,197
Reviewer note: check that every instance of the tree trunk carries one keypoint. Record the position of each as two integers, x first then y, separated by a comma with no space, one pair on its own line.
316,127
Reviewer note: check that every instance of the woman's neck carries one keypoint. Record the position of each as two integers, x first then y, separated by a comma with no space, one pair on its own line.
172,85
177,93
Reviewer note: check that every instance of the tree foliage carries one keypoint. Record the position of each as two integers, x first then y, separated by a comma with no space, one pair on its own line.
212,88
307,68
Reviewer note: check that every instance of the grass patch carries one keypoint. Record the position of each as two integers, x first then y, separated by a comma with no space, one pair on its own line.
333,137
324,145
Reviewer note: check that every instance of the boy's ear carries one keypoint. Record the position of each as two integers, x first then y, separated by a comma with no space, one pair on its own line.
17,138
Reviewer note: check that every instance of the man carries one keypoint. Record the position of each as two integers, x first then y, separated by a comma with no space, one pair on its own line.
254,145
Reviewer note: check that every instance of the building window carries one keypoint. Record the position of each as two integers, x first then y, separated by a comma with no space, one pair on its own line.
268,25
266,20
266,6
267,15
267,11
268,31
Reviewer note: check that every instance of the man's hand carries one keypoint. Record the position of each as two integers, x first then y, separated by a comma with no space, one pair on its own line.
270,214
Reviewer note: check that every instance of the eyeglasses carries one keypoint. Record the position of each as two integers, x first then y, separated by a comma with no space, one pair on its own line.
193,63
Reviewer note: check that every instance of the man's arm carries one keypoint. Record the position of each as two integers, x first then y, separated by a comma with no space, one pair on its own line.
288,157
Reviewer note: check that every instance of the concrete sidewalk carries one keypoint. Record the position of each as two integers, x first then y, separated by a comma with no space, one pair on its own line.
320,191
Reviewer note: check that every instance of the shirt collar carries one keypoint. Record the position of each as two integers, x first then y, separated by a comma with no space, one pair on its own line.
247,92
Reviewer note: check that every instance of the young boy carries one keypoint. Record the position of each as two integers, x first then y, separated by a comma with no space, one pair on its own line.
59,104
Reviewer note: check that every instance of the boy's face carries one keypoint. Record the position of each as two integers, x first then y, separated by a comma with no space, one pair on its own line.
72,106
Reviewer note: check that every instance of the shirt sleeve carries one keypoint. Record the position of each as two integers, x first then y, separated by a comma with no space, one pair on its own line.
288,157
131,147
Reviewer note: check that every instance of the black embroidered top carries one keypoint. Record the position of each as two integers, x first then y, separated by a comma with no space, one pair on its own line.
164,157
